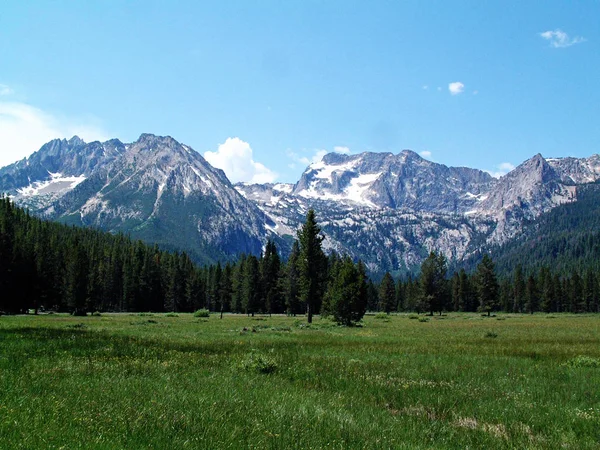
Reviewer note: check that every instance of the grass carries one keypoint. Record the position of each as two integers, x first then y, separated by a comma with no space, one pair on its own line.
131,381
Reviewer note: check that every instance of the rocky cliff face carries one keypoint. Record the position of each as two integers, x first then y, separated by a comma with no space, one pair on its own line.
388,210
155,189
384,180
391,210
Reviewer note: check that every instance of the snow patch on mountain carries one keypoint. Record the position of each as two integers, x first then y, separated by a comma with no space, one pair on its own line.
57,184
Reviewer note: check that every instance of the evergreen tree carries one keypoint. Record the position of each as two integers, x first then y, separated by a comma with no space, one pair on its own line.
76,279
251,286
434,295
291,282
466,296
312,265
576,293
346,298
387,293
237,285
372,296
532,297
518,290
270,267
487,285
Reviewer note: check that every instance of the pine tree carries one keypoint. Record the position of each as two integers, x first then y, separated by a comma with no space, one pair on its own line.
532,296
518,290
251,286
434,295
487,285
312,265
387,293
346,298
466,297
269,270
76,279
291,282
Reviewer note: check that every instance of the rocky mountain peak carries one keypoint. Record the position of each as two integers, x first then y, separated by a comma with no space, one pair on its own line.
76,141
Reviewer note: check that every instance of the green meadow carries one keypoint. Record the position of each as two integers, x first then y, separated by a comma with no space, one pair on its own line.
163,381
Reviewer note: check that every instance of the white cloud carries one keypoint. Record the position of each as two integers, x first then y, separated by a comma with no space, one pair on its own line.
25,128
501,169
456,88
316,156
235,158
425,154
560,39
5,90
425,87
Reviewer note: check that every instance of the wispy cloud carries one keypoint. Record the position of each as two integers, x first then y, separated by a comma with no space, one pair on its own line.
425,154
501,169
25,128
456,87
235,158
5,90
560,39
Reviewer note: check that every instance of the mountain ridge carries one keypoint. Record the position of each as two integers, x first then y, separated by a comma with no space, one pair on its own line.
388,209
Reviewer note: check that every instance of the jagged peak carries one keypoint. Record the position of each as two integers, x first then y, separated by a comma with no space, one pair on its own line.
410,154
152,138
76,140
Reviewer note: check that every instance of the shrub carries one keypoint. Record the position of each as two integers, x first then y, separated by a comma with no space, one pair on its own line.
583,361
259,363
202,313
413,316
171,314
382,316
423,319
491,334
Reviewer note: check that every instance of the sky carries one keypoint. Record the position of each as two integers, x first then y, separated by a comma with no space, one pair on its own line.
263,88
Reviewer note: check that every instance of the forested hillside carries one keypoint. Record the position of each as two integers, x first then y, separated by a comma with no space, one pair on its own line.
566,239
51,266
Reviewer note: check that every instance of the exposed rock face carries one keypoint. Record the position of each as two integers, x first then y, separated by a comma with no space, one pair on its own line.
155,189
385,180
388,210
391,210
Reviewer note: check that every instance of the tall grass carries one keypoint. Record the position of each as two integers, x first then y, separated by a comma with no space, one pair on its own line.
130,381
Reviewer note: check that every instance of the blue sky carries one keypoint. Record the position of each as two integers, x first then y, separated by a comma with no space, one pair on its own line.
261,88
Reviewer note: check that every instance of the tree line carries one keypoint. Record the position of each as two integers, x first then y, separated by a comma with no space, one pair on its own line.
51,266
483,291
46,265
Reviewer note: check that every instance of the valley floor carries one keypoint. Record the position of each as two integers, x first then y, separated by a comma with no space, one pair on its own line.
175,381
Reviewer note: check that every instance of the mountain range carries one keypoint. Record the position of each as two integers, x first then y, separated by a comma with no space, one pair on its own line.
390,210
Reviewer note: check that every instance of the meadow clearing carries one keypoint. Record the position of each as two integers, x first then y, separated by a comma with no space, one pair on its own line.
160,381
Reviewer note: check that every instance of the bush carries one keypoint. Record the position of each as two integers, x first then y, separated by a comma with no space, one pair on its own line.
202,313
583,361
423,319
259,363
491,334
382,316
171,314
